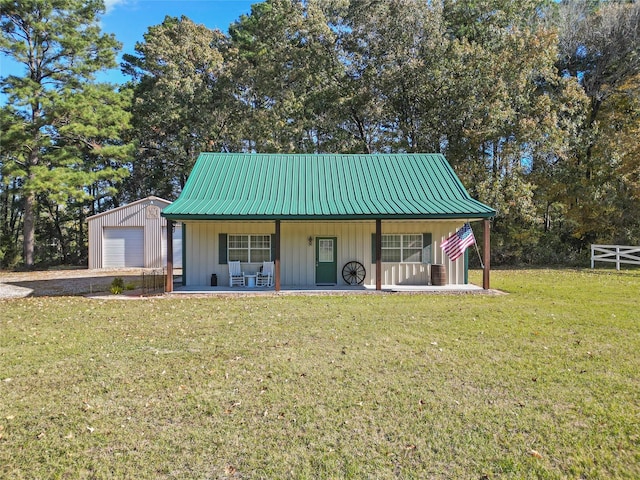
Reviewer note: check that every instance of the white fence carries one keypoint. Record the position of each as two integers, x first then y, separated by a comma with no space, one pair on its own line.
615,254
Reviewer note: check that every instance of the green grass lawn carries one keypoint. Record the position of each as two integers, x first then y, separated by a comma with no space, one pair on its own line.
541,383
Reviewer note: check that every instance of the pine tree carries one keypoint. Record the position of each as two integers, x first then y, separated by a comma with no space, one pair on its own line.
64,117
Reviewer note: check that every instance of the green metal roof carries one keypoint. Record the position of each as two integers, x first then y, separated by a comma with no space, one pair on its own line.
341,187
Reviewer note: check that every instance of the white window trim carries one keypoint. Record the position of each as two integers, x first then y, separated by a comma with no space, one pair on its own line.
248,249
402,235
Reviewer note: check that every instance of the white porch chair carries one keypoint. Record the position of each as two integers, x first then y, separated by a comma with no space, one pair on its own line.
265,277
236,275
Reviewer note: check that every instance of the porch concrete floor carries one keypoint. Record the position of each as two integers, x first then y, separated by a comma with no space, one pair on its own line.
329,290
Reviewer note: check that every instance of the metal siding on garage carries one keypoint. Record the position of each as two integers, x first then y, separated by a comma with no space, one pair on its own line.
123,247
145,214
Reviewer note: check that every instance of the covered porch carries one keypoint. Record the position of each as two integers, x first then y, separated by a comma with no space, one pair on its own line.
379,276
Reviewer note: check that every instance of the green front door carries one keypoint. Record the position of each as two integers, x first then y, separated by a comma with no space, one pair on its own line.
326,260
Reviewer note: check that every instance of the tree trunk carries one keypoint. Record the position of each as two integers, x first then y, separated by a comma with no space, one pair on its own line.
361,130
81,245
29,226
61,236
28,242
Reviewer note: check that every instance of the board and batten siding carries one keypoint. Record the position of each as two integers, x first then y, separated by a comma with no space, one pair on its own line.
144,214
416,273
201,247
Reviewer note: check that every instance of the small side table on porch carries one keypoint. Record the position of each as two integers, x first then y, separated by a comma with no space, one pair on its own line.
250,280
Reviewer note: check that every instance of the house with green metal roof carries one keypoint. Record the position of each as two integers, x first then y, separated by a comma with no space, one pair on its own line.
319,216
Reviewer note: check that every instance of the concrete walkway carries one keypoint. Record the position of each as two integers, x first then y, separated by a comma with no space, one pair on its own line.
330,290
96,284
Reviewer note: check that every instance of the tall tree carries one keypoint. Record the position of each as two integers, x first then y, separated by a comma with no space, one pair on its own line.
286,72
599,47
365,44
181,103
61,47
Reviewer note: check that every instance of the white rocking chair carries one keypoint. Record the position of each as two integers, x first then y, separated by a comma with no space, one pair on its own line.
236,275
265,277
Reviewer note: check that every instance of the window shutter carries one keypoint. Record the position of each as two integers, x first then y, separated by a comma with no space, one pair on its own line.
427,248
222,249
273,247
373,248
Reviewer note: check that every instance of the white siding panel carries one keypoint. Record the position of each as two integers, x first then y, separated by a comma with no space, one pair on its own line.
123,247
202,249
298,257
177,246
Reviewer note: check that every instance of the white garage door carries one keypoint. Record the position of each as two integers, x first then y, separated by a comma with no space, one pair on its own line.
123,247
177,246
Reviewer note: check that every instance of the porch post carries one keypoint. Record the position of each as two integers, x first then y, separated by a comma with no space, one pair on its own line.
378,254
169,280
486,254
277,259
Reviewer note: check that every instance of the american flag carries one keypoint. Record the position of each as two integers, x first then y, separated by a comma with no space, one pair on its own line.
456,244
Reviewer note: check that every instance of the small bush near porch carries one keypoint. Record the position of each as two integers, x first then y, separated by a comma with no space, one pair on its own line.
540,383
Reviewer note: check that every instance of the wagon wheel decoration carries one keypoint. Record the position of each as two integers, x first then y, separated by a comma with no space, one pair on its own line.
353,273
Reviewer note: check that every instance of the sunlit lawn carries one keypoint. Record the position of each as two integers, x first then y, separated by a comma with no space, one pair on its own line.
541,383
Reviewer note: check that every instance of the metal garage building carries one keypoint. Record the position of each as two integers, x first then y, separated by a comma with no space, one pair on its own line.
133,235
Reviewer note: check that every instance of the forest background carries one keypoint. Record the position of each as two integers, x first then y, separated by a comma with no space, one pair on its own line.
536,104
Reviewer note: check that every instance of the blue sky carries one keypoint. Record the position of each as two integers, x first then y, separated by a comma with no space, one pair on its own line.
130,19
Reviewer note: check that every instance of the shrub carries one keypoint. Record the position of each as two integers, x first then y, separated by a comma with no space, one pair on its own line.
117,286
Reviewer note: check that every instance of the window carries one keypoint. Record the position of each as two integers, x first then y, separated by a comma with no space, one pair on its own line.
402,248
325,250
250,248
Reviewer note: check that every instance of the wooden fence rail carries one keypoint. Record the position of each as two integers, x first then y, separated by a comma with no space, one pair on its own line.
615,254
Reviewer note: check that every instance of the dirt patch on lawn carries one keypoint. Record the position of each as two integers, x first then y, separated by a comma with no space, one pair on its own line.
79,282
